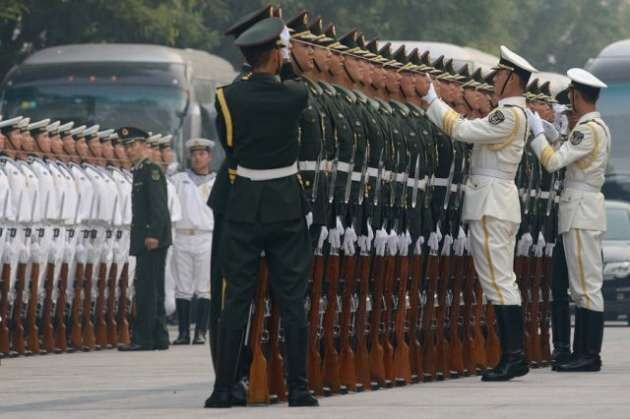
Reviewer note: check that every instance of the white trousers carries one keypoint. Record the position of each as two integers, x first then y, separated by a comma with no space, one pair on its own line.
492,243
191,263
583,250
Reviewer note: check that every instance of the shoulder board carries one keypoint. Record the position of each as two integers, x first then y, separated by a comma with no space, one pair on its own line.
313,87
327,88
347,93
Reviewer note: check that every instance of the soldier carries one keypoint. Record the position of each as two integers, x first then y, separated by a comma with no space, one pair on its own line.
150,238
582,217
491,205
266,207
192,246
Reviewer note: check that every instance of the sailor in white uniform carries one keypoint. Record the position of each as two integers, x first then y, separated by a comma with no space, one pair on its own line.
582,214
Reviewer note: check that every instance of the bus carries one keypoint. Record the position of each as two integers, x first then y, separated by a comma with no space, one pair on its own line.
152,87
612,66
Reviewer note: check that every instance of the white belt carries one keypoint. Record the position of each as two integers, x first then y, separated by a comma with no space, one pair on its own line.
191,231
312,165
439,181
421,183
581,186
499,174
267,174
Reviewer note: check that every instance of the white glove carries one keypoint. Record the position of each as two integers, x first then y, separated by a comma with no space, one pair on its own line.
446,246
551,132
404,240
82,253
334,238
535,123
309,219
434,241
67,252
431,93
285,39
323,235
459,246
380,241
36,252
392,243
549,249
349,240
524,244
417,248
539,249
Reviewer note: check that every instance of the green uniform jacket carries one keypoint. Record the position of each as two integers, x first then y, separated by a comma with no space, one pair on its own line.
149,206
257,122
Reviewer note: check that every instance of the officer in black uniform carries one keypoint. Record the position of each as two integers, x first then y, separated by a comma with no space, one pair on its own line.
257,122
150,238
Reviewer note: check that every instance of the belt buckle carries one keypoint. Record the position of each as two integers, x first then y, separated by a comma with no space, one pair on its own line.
109,234
13,232
93,233
40,232
56,232
71,233
119,234
27,232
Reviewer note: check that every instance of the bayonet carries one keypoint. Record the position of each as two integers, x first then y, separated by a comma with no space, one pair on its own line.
348,188
333,174
379,177
364,170
319,159
416,182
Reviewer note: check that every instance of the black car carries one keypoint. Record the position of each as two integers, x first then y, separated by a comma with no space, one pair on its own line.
616,249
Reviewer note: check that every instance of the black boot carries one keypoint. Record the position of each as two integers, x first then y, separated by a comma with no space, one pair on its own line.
578,333
561,331
201,322
297,383
230,342
183,318
513,362
592,329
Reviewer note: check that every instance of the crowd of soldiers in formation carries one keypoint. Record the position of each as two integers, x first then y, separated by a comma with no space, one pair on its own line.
67,277
394,297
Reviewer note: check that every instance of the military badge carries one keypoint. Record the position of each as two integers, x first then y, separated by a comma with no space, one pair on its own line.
496,117
155,174
576,137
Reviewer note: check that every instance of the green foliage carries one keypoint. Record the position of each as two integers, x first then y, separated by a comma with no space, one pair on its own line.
554,35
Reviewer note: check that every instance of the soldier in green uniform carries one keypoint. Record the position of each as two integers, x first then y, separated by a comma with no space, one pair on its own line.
150,239
257,122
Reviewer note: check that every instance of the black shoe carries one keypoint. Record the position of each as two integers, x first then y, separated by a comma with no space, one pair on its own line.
560,356
134,347
561,333
592,334
239,394
162,347
513,362
230,342
201,321
295,344
183,318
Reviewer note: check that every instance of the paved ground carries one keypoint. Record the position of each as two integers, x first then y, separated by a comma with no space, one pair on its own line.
175,383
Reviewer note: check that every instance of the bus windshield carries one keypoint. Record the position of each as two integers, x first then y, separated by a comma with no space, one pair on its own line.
613,105
148,96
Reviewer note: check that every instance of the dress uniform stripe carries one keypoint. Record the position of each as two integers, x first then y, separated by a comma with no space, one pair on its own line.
486,250
227,116
585,162
512,137
547,155
581,268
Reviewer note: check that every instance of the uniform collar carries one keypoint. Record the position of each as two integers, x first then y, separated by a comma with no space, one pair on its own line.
589,117
264,77
513,100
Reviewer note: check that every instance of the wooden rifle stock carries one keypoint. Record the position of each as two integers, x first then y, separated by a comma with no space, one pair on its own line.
347,371
19,345
415,349
493,345
546,308
48,332
469,342
314,360
442,350
101,324
61,336
534,312
76,332
523,277
377,355
332,380
31,311
456,356
4,308
388,298
88,339
112,326
258,380
362,356
124,337
428,338
277,386
402,367
479,346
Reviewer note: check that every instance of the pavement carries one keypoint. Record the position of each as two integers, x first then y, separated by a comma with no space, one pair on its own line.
175,383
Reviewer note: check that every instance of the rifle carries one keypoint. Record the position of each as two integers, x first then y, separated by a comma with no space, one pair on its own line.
47,326
347,372
314,361
428,339
377,354
31,311
402,361
332,382
362,356
4,308
112,326
101,325
61,338
123,306
76,333
277,386
88,338
258,381
479,351
442,345
534,330
388,301
18,327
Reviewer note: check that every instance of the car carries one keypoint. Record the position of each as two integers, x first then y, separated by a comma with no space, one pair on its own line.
616,252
